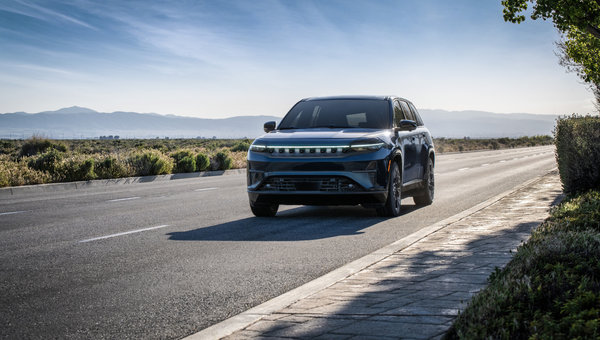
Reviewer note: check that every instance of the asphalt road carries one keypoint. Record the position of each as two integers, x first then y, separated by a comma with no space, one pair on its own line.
167,259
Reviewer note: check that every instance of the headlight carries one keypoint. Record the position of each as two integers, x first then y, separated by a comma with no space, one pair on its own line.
258,148
366,145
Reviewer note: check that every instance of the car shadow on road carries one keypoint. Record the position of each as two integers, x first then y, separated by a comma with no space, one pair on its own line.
296,224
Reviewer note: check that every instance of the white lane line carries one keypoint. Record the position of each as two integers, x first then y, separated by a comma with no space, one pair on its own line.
13,212
503,161
124,199
123,233
206,189
463,169
485,164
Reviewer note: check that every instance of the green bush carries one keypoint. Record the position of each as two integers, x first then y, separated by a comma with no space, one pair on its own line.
37,145
223,161
575,214
184,161
18,173
241,146
150,163
551,289
48,161
186,164
76,169
577,142
202,162
111,167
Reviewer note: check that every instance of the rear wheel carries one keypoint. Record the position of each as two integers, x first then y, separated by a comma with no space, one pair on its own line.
264,210
425,197
394,199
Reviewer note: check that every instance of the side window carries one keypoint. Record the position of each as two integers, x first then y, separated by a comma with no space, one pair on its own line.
416,114
407,112
398,114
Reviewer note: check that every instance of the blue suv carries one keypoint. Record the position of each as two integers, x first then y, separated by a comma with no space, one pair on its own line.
347,150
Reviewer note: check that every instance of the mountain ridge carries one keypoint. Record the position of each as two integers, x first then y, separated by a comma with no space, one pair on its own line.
81,122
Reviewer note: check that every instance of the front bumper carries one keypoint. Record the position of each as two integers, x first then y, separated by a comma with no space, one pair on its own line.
358,179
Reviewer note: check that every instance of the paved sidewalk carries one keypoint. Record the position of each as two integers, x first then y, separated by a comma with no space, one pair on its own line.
416,292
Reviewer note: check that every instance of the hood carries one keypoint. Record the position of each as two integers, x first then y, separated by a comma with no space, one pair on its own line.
320,136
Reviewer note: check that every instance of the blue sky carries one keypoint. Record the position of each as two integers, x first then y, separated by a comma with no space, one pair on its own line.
217,59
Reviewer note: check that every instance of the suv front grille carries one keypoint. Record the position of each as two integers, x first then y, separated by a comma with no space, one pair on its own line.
312,183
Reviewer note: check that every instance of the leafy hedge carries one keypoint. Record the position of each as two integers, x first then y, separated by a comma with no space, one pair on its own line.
577,140
551,288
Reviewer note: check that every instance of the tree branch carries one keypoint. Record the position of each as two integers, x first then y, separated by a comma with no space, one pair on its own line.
595,31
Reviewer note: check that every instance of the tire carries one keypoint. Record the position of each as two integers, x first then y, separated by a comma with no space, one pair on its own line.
264,210
393,203
425,197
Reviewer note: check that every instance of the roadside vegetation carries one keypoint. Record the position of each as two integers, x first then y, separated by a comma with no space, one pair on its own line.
40,160
551,288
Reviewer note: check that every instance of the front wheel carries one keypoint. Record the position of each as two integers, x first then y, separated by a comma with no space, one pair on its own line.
425,197
264,210
394,199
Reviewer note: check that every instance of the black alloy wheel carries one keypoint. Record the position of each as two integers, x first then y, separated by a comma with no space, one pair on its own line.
426,196
394,200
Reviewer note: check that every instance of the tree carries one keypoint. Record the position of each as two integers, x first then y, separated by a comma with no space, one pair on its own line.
566,14
579,23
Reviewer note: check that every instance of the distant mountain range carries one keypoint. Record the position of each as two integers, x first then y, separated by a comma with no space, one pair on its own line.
79,122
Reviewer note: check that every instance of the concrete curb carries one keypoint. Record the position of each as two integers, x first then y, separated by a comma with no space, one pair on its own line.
244,319
54,187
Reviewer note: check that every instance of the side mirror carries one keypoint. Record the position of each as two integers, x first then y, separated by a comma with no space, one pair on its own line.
406,125
269,126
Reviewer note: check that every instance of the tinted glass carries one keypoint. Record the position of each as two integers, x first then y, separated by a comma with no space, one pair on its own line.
398,114
416,114
407,112
342,113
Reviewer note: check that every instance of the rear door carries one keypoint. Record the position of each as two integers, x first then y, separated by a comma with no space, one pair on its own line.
405,139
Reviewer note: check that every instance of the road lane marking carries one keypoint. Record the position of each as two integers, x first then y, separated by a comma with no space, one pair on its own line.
124,199
486,164
13,212
502,161
123,233
463,169
206,189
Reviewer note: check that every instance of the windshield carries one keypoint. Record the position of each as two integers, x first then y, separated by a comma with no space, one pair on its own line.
338,113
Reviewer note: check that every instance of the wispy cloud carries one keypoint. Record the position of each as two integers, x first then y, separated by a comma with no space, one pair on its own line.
32,10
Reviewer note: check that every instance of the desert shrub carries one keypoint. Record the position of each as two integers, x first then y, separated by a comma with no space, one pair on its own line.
577,142
241,146
37,145
184,161
186,164
575,214
48,161
111,167
551,289
202,161
18,173
223,161
150,163
76,169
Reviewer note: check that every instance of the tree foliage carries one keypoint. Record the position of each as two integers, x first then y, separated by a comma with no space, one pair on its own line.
579,23
566,14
